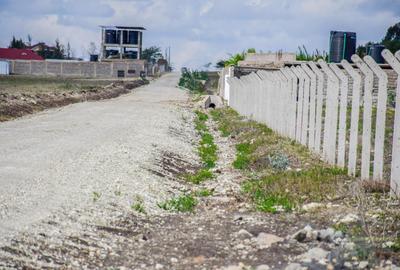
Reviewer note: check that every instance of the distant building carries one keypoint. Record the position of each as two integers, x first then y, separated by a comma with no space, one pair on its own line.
19,54
162,65
42,47
121,42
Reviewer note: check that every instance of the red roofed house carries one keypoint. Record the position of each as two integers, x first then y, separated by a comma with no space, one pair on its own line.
19,54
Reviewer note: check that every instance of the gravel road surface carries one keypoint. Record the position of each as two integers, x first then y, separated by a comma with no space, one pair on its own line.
67,158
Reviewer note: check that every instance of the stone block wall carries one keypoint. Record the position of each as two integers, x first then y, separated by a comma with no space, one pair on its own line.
112,69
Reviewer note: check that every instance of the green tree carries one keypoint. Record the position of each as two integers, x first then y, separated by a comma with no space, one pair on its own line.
151,54
17,43
235,59
392,38
59,51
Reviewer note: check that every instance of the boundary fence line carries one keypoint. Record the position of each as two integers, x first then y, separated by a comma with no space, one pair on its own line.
322,105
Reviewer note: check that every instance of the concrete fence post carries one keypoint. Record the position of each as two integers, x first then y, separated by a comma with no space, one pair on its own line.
299,109
331,114
355,112
380,117
306,107
319,105
395,169
344,88
293,102
367,116
312,105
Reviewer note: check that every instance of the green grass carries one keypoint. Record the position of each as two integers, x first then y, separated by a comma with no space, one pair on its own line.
201,116
138,207
289,189
266,157
204,192
96,196
199,177
184,203
243,152
207,151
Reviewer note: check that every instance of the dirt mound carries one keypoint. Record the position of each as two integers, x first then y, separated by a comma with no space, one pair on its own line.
17,105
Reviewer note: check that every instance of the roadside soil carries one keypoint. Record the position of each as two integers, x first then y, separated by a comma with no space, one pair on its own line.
19,103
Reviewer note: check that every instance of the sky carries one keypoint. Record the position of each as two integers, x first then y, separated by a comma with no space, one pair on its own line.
199,31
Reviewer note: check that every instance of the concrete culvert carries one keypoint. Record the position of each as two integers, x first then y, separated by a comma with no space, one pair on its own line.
211,101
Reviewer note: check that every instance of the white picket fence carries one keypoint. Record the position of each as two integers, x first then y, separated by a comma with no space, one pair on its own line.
309,104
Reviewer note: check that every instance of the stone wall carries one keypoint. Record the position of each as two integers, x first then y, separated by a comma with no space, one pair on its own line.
113,69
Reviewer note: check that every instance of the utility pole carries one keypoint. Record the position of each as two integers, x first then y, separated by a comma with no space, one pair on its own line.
169,58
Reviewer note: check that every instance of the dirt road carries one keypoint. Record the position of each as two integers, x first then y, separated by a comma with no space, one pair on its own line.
80,188
68,157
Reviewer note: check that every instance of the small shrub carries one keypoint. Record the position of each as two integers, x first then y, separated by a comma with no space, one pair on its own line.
193,81
279,161
184,203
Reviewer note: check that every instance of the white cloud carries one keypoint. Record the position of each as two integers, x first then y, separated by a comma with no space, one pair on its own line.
206,8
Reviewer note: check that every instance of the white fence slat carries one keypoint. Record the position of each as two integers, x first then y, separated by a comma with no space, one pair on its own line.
319,106
306,107
312,104
367,117
300,95
293,103
342,114
331,114
380,117
355,115
395,169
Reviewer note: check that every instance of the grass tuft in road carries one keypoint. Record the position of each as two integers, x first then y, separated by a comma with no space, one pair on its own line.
207,151
138,207
199,176
184,203
204,192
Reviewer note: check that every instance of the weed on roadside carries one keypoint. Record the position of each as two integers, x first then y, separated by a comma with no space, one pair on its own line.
199,176
96,196
204,192
138,207
183,203
207,151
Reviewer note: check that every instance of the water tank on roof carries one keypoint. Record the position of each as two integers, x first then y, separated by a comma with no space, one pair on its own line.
342,46
94,58
375,51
